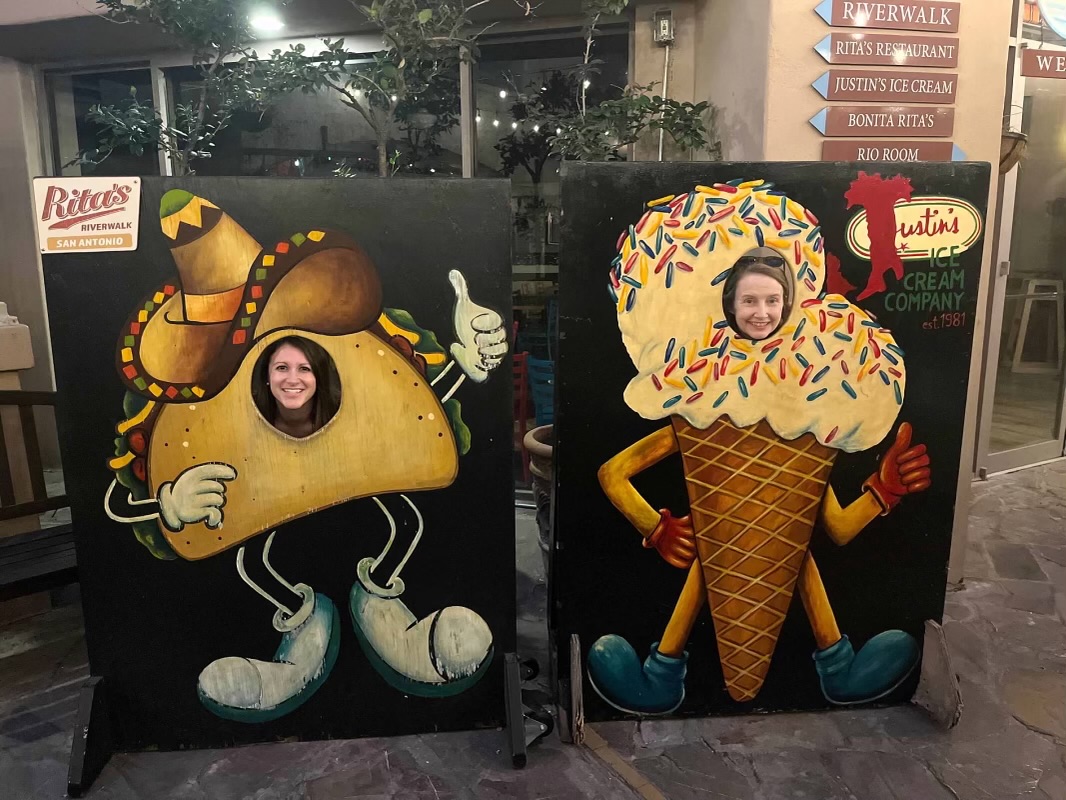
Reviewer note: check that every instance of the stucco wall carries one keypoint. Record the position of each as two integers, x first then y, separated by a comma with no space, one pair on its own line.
731,68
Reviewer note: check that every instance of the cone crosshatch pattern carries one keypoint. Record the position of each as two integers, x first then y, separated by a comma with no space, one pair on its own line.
754,499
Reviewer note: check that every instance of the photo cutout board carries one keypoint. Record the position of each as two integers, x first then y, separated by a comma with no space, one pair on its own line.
761,386
283,420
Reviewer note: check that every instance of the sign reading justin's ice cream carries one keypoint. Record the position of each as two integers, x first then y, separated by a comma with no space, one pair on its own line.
87,214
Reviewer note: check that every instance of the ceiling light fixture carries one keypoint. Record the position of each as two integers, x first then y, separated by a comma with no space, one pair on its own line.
266,20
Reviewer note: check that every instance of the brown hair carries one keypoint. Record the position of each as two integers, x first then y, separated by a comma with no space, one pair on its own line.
729,296
327,397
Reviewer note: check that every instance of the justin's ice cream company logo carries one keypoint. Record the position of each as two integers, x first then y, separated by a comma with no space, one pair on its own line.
87,214
926,227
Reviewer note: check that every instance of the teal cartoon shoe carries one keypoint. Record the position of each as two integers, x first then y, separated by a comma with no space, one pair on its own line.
878,669
249,690
616,673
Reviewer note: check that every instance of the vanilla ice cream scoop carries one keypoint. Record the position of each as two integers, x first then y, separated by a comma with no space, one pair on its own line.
831,369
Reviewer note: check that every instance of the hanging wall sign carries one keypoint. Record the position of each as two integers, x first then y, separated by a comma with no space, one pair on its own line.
1054,14
908,15
1043,63
880,150
77,215
889,49
884,121
878,85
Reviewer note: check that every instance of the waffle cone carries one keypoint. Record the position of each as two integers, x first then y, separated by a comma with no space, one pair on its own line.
754,498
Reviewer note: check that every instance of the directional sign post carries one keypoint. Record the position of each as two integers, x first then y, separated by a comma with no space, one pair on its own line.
878,85
884,121
880,150
889,49
901,15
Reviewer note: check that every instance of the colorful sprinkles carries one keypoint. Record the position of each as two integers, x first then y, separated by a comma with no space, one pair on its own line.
672,240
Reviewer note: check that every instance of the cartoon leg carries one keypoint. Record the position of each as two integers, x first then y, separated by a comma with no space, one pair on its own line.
847,677
249,690
439,655
658,685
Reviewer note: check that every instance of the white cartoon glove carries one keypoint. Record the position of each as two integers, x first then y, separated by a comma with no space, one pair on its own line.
482,340
197,495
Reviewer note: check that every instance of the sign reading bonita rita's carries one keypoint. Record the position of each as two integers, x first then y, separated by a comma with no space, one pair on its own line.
87,214
884,121
904,15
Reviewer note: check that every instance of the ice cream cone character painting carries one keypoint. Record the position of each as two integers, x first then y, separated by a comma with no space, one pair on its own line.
266,384
762,379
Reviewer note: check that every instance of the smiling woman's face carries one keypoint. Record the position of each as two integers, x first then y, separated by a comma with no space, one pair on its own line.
292,381
758,305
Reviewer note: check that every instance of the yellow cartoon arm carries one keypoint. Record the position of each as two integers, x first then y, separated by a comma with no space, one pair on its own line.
902,470
615,478
844,524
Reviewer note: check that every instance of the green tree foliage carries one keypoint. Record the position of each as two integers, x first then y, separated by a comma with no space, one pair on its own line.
217,33
415,73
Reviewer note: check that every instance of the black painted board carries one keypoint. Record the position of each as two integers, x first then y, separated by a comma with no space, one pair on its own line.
891,576
152,625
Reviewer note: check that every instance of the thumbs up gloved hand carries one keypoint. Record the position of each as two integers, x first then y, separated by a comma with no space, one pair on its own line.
481,341
903,470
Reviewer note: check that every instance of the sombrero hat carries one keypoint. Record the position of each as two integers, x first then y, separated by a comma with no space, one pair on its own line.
187,339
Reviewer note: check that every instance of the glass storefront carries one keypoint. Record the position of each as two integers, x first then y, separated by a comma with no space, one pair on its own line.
71,95
1023,420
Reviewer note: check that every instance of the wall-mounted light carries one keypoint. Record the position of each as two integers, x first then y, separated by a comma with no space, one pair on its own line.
495,123
503,94
477,118
266,20
514,125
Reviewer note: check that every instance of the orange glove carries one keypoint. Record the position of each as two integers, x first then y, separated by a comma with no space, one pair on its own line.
674,539
903,470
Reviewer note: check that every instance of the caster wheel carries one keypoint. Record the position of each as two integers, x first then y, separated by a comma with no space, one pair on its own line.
543,719
530,669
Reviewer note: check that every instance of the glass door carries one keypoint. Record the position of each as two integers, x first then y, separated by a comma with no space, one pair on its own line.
1024,423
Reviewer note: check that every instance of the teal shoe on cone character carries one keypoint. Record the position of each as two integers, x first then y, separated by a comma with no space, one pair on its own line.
656,686
878,669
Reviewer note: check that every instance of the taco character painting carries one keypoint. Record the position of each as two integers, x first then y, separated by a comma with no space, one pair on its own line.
759,424
199,472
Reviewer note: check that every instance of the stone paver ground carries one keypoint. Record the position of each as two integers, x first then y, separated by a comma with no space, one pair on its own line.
1006,631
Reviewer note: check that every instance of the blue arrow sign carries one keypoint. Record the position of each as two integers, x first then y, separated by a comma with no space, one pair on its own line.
957,153
822,85
824,47
825,11
818,121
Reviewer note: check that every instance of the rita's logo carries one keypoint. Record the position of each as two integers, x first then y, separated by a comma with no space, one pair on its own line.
925,225
80,205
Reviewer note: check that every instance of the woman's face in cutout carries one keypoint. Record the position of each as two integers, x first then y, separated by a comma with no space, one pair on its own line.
291,379
758,305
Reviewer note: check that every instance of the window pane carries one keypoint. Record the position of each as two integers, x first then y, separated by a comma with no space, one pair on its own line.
71,96
303,135
513,140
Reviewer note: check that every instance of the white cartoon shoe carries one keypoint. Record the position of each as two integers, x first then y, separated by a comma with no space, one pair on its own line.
250,690
440,655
